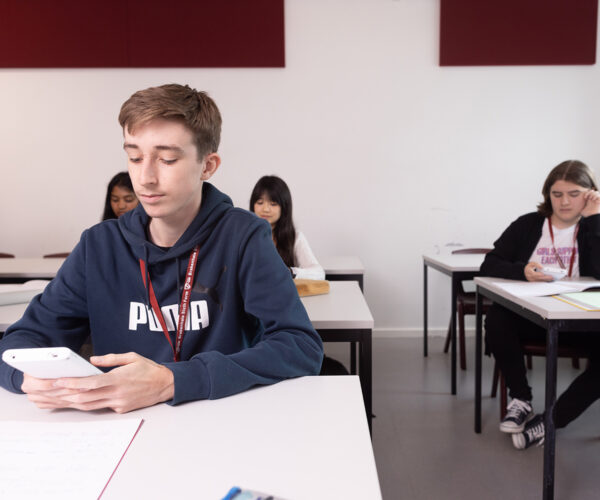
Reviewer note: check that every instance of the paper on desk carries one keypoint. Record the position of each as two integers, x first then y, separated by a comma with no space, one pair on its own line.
539,289
61,460
21,293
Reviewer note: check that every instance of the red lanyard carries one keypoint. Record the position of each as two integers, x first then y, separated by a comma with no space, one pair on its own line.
183,306
573,250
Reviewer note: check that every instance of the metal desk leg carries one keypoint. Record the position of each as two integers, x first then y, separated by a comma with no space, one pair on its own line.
365,373
353,358
478,328
455,283
549,440
425,310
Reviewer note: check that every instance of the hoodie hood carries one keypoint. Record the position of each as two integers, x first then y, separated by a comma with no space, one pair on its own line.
134,223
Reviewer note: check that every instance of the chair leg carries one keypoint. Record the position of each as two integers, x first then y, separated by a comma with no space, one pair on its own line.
495,381
503,397
448,337
461,337
529,362
575,362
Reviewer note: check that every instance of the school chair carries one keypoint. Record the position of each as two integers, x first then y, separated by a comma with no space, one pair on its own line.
532,349
6,255
62,255
465,304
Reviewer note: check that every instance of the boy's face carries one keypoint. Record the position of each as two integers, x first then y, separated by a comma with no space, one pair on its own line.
165,170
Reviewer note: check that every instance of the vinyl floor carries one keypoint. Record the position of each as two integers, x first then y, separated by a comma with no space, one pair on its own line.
423,437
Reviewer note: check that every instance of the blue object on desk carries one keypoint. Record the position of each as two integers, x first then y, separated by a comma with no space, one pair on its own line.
237,493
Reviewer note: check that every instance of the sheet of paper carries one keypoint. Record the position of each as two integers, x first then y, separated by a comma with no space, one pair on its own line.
590,301
539,289
61,460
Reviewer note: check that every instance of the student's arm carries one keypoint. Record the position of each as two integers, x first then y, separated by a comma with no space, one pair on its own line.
511,251
590,225
285,346
57,317
308,266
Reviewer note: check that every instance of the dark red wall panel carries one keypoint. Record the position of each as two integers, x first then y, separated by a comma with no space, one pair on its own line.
507,32
141,33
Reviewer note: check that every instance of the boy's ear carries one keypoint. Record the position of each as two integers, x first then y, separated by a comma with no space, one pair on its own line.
211,164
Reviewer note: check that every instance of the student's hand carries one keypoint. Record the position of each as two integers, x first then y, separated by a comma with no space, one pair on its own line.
533,273
137,382
592,203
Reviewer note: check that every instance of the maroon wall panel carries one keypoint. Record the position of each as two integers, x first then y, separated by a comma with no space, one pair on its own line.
141,33
514,32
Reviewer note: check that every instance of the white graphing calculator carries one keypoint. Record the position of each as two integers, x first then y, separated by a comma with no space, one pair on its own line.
49,362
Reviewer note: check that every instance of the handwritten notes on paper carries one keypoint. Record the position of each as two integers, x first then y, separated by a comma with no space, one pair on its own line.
61,460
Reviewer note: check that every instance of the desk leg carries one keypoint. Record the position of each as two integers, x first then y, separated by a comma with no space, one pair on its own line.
353,358
549,441
478,325
455,283
365,373
425,310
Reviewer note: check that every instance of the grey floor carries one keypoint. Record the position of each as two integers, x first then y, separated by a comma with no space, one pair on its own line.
423,438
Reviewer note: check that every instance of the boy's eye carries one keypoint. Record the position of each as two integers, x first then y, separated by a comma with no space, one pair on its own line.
168,162
135,160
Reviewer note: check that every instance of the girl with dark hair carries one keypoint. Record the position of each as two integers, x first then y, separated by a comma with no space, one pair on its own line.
564,233
120,197
271,200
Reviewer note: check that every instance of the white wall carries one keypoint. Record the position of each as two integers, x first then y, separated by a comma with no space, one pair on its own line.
387,154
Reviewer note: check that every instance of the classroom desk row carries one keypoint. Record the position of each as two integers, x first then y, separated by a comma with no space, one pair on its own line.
553,315
303,438
337,268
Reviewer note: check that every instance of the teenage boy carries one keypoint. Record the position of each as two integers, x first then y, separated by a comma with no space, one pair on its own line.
184,297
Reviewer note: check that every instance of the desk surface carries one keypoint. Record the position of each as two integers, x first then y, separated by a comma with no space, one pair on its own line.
32,268
342,264
546,307
46,268
304,438
455,262
344,307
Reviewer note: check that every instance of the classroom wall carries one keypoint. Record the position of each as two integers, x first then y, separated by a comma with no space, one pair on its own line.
387,154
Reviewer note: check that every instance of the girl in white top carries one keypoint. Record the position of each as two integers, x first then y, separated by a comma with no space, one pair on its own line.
271,200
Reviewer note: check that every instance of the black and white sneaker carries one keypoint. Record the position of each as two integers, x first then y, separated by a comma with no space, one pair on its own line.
518,413
533,434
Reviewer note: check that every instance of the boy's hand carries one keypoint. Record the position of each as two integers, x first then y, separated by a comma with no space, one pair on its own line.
533,273
138,382
592,203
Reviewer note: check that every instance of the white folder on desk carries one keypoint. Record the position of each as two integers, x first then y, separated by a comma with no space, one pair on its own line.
541,289
21,293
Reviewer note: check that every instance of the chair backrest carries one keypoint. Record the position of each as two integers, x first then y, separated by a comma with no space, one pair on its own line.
62,255
472,250
461,289
6,256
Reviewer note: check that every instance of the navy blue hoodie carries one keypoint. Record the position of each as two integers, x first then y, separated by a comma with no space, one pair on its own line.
246,325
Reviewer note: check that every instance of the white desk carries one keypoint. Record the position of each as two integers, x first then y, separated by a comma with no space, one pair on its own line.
342,315
22,269
553,315
9,314
343,268
303,438
459,267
